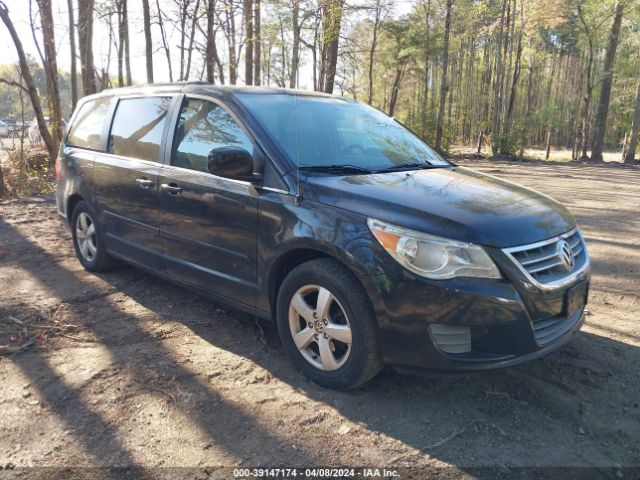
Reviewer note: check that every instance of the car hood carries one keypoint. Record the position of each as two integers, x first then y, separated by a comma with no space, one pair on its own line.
455,202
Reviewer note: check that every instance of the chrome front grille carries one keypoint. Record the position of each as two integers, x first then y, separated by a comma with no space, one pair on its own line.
553,261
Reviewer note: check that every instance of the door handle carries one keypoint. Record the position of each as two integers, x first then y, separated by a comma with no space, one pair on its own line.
172,188
144,183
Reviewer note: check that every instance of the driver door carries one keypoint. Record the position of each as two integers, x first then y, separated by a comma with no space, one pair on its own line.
208,224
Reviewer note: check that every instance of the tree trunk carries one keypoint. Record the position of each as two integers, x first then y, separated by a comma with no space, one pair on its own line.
51,70
148,45
505,146
230,32
395,89
165,45
192,37
331,23
295,47
211,52
548,147
183,34
120,4
85,39
72,48
2,187
247,11
372,50
443,82
427,46
605,90
497,83
127,46
257,43
28,80
635,127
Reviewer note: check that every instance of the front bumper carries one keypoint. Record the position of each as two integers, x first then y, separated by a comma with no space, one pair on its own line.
504,318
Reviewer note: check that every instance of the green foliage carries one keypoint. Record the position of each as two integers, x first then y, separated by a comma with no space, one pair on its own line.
550,82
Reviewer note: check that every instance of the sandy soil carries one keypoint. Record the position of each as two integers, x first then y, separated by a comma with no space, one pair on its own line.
130,370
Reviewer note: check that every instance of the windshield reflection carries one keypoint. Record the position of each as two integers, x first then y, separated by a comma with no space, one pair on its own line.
315,131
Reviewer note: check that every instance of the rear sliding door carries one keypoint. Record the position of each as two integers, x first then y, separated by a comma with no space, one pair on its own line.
126,183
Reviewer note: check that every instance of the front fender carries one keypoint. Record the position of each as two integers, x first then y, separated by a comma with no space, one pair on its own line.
285,226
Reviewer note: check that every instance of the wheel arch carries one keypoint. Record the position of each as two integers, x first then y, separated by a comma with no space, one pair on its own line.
291,259
72,202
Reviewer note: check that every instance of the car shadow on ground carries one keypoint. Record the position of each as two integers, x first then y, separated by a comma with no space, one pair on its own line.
232,429
583,395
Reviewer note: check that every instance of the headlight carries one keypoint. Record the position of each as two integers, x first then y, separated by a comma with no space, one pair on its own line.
433,257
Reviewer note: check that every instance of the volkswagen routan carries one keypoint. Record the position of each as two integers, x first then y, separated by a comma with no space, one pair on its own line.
363,244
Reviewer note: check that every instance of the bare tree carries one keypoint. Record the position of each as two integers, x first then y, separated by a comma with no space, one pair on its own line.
427,59
148,46
332,11
247,11
605,90
295,45
505,144
443,82
257,43
377,18
165,43
72,48
212,58
192,36
123,43
51,69
229,29
127,45
85,38
635,128
583,131
52,147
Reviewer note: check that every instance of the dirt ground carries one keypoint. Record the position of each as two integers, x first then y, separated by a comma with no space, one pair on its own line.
132,371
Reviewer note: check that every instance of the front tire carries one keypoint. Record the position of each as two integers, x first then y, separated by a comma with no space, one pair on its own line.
87,240
327,325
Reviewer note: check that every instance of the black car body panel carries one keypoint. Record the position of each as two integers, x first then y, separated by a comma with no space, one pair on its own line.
234,241
453,202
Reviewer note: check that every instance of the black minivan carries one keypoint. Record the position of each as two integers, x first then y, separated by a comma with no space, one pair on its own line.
364,244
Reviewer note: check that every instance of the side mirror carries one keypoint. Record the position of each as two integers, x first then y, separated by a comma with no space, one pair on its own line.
232,162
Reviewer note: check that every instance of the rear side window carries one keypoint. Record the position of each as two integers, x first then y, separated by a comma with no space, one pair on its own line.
86,131
137,127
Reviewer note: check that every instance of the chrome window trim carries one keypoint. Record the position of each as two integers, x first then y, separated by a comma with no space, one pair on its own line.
200,173
562,282
128,160
276,190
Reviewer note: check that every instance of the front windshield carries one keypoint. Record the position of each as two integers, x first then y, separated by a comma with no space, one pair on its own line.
333,132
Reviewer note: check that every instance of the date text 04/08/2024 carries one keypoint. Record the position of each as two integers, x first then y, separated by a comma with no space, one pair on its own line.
314,473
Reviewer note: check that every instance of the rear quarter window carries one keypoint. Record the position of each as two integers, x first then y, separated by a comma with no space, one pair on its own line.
87,127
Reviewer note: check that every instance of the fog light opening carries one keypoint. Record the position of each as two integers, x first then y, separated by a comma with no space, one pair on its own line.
451,338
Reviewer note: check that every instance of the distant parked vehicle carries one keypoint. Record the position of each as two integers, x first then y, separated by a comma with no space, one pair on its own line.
34,131
16,127
4,129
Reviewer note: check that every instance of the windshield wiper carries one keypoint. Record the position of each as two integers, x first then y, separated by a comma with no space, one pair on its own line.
336,169
410,166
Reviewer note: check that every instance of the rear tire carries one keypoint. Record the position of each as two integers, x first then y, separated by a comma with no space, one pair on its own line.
87,240
328,312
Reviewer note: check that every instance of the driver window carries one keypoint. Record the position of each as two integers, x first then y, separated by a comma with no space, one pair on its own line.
202,126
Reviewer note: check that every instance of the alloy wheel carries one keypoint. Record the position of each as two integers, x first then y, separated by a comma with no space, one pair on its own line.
86,237
320,327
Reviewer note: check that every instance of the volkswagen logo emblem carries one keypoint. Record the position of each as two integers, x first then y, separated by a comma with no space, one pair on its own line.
566,254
